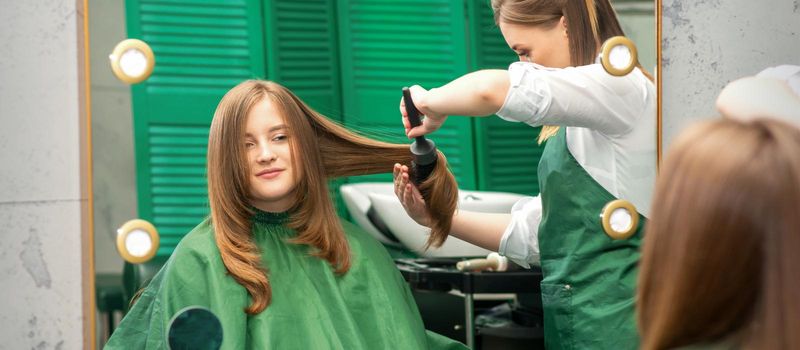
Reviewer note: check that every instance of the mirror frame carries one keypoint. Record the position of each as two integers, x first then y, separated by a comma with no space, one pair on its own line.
85,99
89,302
659,85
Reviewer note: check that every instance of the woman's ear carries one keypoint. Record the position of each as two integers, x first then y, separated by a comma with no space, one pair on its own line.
562,23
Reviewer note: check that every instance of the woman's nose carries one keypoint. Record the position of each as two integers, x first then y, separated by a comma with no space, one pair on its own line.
266,154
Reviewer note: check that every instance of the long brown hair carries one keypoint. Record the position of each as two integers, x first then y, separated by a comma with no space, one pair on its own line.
589,24
720,256
321,150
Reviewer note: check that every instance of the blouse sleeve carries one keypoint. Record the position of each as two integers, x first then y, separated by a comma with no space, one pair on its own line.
520,241
584,96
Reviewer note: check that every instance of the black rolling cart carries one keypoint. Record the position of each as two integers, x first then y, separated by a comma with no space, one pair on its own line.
440,275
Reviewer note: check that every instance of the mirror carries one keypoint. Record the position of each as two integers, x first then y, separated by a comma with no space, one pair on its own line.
195,67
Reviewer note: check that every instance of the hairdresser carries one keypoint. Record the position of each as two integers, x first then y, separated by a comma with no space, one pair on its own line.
600,150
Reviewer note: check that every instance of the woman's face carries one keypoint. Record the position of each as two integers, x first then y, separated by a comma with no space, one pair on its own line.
548,47
269,155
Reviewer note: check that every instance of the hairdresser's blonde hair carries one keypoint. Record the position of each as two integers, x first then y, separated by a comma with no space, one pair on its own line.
321,150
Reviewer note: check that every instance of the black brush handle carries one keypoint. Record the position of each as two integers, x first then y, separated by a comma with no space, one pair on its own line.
412,112
424,150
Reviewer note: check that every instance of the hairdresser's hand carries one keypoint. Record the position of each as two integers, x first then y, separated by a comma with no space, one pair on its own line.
409,196
758,97
432,121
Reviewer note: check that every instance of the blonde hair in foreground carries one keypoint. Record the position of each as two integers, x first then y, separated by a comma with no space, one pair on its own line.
721,254
322,150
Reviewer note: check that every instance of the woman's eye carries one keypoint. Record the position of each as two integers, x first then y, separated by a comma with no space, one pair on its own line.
280,137
249,144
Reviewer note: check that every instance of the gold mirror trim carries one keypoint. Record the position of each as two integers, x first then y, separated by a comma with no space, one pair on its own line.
659,84
124,46
127,228
88,246
605,218
605,57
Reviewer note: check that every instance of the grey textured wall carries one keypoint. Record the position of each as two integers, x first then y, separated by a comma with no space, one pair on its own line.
42,200
706,44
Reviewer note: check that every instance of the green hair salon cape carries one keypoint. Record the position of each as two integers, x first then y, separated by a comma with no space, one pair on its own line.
369,307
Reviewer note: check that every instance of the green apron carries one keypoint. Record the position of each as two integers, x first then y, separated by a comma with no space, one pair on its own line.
589,279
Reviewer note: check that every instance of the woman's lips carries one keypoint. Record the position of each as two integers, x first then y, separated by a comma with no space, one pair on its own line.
269,174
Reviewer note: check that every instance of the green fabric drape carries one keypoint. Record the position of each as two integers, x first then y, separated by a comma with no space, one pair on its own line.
369,307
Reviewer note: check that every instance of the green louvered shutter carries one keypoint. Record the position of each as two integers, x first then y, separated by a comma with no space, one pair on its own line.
507,155
202,49
303,55
302,52
388,44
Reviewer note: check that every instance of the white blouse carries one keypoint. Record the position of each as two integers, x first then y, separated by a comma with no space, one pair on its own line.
611,132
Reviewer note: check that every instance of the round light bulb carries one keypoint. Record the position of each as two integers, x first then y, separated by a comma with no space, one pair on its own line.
620,57
133,62
621,220
138,243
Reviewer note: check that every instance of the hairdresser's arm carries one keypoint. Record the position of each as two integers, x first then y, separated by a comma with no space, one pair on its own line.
756,97
481,229
479,93
584,96
514,235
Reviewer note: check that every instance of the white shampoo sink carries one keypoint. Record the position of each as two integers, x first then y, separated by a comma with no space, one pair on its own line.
374,207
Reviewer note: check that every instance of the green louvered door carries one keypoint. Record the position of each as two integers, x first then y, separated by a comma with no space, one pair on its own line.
388,44
348,59
302,51
202,49
507,155
303,55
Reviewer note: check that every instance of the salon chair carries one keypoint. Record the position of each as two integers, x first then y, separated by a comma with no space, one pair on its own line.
137,276
110,301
